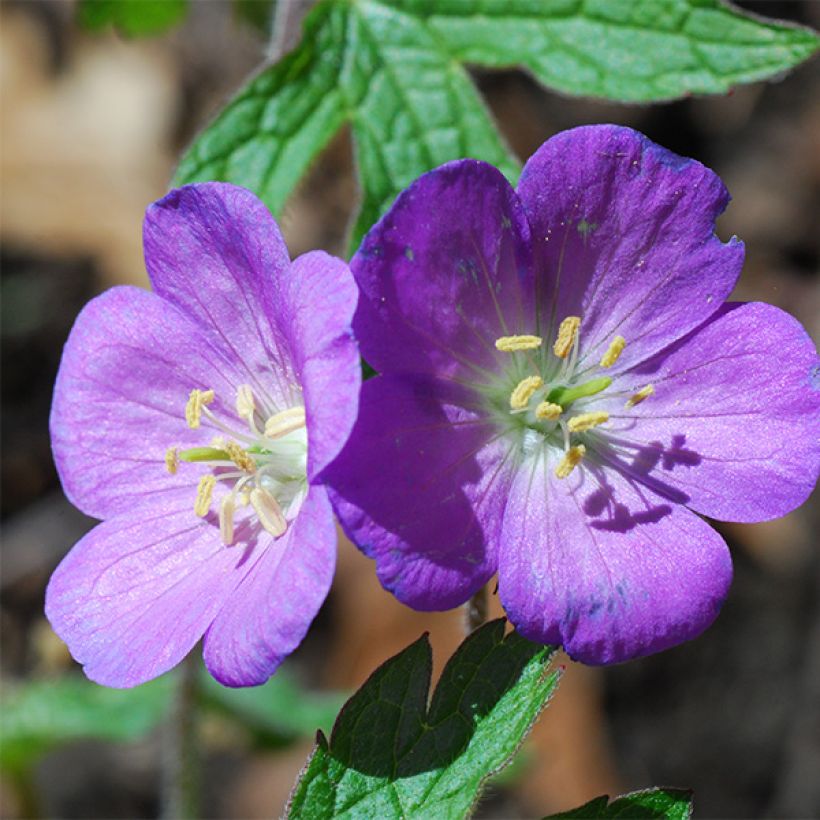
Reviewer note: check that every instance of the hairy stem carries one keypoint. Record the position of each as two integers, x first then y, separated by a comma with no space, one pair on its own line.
475,611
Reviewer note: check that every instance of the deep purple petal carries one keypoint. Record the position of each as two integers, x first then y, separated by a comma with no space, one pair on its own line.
734,423
319,299
215,252
623,232
134,596
420,487
441,274
271,610
605,567
127,369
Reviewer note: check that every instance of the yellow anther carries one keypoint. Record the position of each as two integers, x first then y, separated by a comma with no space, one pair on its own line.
616,347
285,422
171,460
547,411
643,393
245,404
567,334
509,344
239,457
226,511
521,395
586,421
193,409
269,512
244,498
204,494
572,458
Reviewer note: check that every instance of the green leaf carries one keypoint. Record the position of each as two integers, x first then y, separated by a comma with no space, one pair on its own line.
649,804
392,755
132,18
395,70
40,715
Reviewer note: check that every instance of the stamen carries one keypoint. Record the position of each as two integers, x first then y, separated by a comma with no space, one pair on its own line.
269,512
547,411
523,392
193,409
239,457
567,335
572,458
614,351
245,404
226,511
586,421
171,460
204,494
285,422
643,393
510,344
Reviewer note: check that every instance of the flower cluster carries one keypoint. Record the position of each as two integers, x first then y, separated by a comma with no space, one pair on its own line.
562,392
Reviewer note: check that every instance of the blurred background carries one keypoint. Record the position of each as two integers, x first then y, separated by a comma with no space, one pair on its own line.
91,125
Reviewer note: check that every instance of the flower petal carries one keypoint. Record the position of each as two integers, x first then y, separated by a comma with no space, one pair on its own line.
319,300
271,610
214,251
134,596
605,567
420,487
440,274
623,232
127,369
734,422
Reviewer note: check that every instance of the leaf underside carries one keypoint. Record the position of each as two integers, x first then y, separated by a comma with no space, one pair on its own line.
648,804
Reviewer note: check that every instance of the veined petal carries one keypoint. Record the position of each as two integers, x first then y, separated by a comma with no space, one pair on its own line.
319,299
214,251
420,487
119,403
734,422
623,232
272,608
135,595
441,275
605,567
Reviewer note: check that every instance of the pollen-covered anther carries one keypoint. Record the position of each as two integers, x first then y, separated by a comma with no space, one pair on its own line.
226,511
548,411
285,422
204,494
510,344
586,421
239,457
269,512
643,393
567,336
245,404
172,460
523,392
572,458
613,353
193,409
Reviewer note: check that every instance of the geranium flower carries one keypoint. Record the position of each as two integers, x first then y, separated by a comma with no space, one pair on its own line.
196,420
563,390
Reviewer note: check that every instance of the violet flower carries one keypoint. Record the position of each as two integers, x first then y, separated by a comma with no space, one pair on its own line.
563,390
196,420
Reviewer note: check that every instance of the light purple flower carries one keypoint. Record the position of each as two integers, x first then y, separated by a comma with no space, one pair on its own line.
196,421
563,390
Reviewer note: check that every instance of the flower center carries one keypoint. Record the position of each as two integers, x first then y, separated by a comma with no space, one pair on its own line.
544,401
262,467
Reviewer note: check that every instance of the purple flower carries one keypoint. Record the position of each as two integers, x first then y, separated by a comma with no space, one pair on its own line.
196,421
563,390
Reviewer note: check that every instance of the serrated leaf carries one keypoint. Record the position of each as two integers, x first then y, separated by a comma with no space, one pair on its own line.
395,70
391,755
39,715
132,18
648,804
